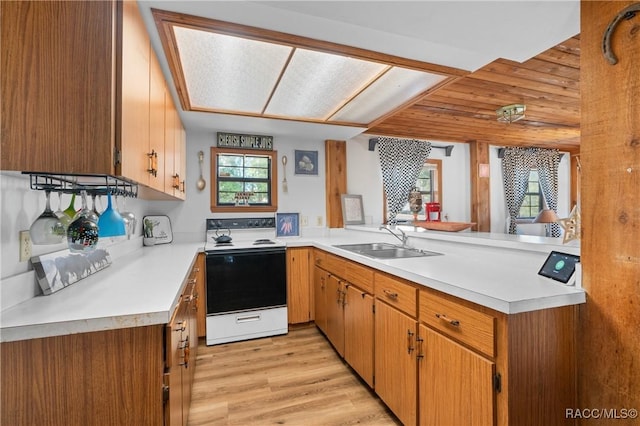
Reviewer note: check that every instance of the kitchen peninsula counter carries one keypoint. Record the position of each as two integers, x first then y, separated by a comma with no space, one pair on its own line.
143,288
492,270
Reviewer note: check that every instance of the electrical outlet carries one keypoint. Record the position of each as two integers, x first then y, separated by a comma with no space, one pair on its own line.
25,246
304,220
319,221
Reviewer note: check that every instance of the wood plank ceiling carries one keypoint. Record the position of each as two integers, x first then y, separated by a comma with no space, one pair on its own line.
464,110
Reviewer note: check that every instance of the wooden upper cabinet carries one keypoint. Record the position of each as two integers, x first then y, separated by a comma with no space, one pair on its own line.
82,92
156,150
57,86
132,137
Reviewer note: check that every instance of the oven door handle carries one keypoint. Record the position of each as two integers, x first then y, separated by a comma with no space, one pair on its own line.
231,251
248,318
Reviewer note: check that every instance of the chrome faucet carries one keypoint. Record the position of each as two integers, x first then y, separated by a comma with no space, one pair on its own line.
402,238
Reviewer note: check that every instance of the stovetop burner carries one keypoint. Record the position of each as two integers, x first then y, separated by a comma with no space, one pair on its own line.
223,245
263,241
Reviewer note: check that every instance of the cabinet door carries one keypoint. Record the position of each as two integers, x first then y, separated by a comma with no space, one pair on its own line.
133,138
320,277
175,332
201,294
57,112
358,332
169,145
298,285
455,383
395,361
157,93
335,313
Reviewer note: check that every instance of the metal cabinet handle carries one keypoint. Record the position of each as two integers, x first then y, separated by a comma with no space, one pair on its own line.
420,354
450,321
182,326
185,352
153,163
410,347
176,181
390,294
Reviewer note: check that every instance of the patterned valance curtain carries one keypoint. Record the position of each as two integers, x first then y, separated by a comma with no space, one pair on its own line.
400,161
516,166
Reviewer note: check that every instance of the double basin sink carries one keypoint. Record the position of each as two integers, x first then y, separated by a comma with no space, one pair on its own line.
385,251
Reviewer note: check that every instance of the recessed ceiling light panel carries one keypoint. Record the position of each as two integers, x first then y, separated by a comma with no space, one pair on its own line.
229,73
389,92
315,84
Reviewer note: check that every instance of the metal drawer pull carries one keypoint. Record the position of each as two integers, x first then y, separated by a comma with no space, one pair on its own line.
452,322
410,347
248,318
390,295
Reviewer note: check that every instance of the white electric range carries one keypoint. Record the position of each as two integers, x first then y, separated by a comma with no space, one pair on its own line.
246,287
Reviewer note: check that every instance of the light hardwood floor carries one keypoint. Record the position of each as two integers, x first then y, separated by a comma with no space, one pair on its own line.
295,379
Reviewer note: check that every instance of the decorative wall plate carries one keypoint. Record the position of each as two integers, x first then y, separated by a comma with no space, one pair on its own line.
158,227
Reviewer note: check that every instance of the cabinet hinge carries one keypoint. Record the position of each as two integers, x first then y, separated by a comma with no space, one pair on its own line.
117,156
497,382
165,388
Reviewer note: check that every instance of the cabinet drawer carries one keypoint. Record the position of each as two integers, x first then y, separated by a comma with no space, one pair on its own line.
359,275
331,263
472,327
396,293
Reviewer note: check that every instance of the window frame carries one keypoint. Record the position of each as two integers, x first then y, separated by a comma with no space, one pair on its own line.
438,192
527,219
273,184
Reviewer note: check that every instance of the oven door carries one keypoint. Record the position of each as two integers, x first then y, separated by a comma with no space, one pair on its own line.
246,279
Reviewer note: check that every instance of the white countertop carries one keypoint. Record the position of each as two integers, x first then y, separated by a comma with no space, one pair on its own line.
143,288
501,274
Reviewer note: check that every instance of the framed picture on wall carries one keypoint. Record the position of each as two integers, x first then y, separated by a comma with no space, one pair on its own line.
306,162
287,225
352,210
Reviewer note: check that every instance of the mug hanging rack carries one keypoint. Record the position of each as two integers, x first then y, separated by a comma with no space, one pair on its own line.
74,183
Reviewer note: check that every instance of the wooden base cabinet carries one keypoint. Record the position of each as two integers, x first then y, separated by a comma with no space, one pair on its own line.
344,311
320,278
299,277
455,384
128,376
395,362
359,332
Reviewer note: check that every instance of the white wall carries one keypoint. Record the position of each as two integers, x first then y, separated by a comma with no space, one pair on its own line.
364,177
306,193
20,206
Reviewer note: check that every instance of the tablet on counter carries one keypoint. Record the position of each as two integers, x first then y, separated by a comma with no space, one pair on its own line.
560,266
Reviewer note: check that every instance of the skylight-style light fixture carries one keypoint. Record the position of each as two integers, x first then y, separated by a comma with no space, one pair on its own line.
221,67
511,113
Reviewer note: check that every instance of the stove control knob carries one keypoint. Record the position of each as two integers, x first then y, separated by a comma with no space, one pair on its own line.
219,224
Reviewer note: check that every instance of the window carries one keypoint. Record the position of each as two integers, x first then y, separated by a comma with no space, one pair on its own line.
532,203
239,175
430,184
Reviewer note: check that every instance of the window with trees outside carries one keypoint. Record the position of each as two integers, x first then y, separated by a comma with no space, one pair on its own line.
532,203
243,180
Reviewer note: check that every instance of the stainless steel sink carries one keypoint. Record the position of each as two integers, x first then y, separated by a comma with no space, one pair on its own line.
385,251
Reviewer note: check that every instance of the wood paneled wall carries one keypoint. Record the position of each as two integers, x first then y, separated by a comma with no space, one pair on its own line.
480,186
609,341
336,180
